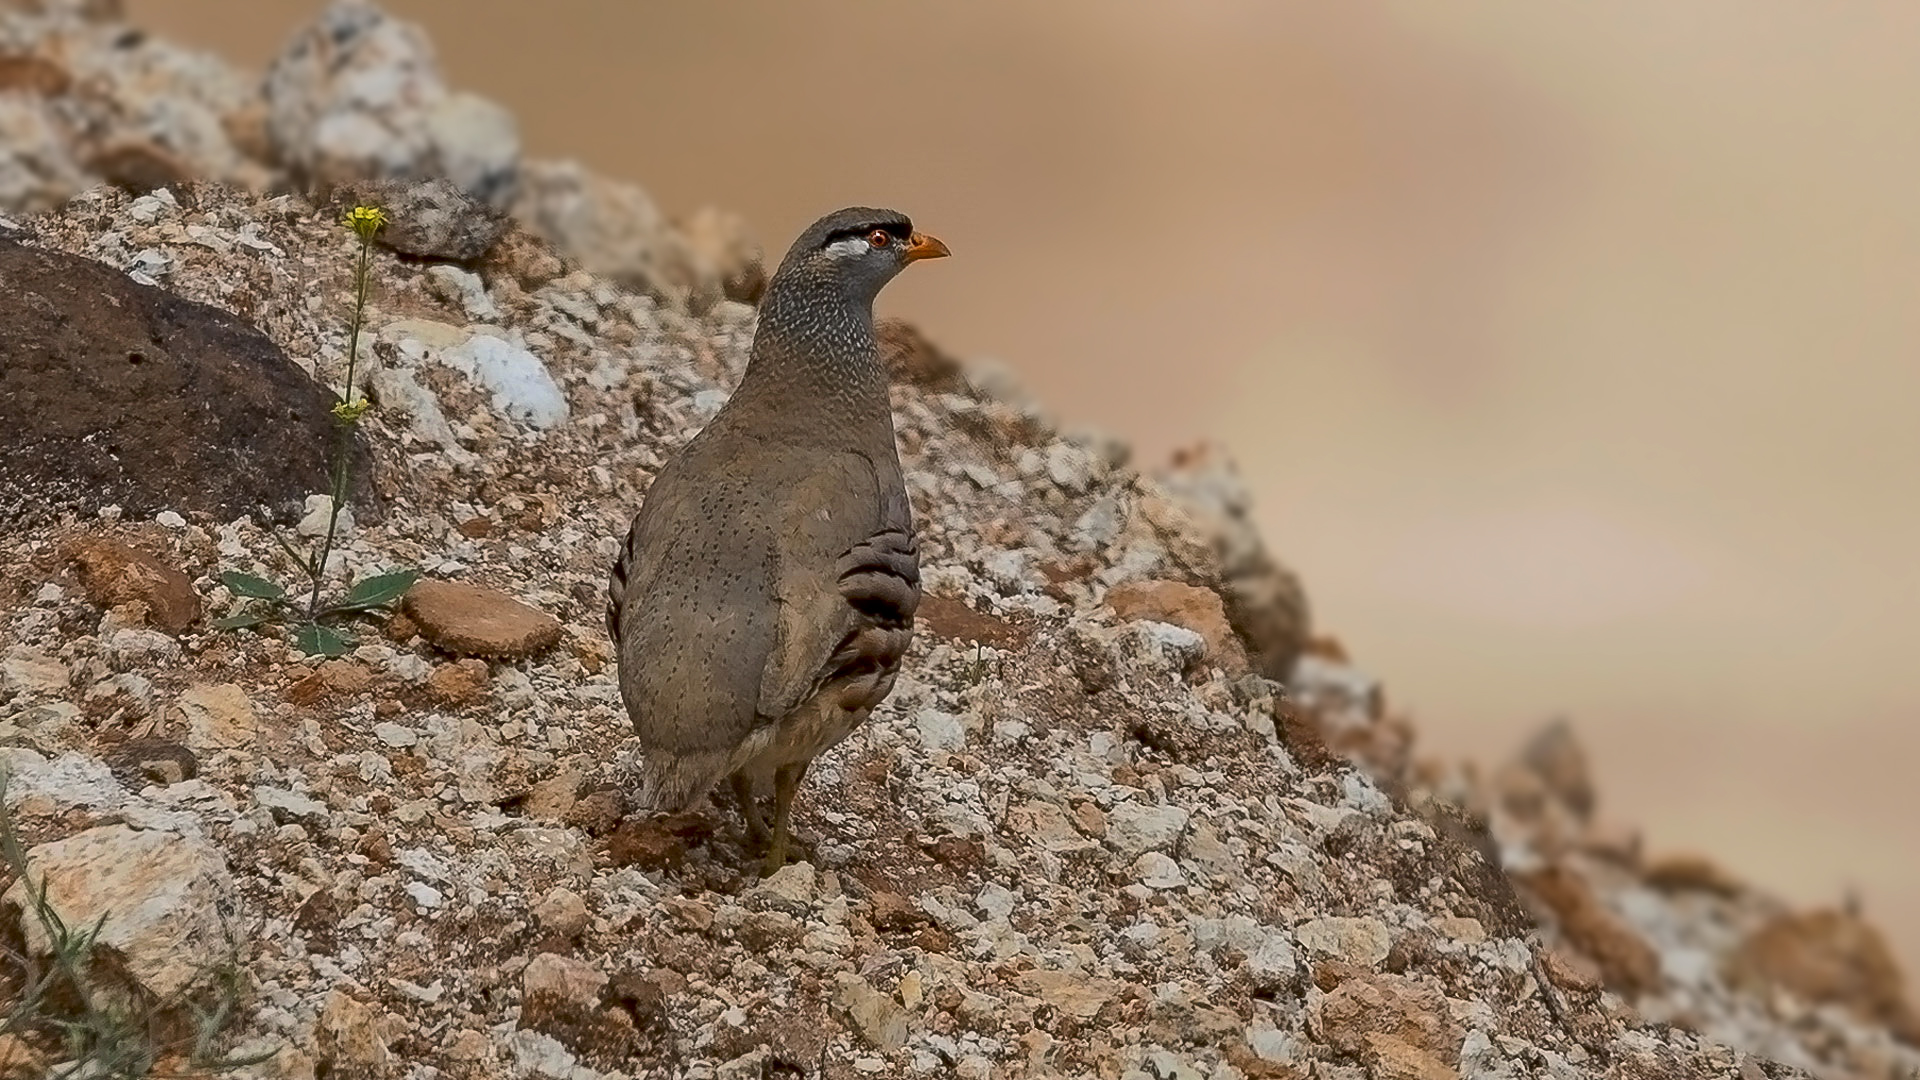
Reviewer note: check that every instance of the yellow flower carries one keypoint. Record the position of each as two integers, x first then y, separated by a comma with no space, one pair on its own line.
349,411
365,221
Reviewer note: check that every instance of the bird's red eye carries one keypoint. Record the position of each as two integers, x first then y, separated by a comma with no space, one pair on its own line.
879,238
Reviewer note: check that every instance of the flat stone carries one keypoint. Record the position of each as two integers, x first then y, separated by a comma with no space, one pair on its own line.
395,735
290,806
1080,996
472,620
112,573
878,1018
32,671
563,977
161,896
1357,940
1136,828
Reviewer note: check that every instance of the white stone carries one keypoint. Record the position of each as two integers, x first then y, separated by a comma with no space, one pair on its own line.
398,389
521,386
939,730
1158,871
319,511
1272,965
996,901
289,806
462,287
1166,646
1070,467
395,735
1135,828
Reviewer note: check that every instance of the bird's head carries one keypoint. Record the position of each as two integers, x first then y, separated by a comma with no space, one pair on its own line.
859,248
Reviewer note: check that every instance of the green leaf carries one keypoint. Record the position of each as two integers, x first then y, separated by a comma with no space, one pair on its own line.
379,590
316,640
243,620
248,585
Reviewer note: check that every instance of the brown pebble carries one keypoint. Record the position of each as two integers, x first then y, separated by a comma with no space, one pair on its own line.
342,678
463,683
597,814
893,912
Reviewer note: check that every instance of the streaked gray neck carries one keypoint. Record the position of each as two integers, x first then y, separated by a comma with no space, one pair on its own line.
814,374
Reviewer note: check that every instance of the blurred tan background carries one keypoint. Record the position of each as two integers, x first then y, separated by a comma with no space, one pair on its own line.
1572,351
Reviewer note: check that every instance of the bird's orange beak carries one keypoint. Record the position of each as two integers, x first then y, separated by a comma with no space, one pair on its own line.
921,246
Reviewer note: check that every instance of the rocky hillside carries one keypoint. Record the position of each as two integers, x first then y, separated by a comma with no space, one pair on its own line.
1123,819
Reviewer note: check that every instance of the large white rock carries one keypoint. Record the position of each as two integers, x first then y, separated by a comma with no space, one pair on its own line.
161,900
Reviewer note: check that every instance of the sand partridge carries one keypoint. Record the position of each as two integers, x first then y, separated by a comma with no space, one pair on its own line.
765,594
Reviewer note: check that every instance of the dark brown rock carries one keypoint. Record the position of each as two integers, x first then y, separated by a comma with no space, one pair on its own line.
112,573
117,393
139,762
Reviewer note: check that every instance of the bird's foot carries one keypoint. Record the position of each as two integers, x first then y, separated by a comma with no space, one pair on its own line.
782,851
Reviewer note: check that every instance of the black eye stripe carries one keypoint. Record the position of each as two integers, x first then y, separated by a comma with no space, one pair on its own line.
894,229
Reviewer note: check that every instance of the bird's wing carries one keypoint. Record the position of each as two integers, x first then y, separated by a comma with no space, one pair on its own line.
691,603
848,583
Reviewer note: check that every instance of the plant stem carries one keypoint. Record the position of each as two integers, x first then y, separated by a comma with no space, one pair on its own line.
343,446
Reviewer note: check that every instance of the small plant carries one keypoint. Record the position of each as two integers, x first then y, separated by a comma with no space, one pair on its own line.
312,632
58,1008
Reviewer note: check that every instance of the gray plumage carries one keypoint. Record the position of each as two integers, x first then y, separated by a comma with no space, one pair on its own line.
766,591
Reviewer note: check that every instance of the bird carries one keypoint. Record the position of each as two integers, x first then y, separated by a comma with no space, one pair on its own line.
764,597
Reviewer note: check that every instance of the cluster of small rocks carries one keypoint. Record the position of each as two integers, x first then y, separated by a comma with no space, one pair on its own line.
1091,833
357,96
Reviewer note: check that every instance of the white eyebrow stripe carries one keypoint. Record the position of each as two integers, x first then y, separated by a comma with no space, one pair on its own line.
856,245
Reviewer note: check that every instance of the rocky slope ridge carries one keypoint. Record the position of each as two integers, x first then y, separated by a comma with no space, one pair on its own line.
1085,838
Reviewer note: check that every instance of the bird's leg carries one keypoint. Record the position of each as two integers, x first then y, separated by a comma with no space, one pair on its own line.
758,835
786,781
